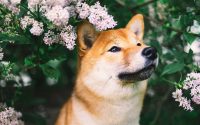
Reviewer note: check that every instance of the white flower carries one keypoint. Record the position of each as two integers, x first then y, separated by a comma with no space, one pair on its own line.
68,37
58,15
185,103
11,5
177,94
7,19
33,3
191,83
8,116
5,2
195,46
26,21
59,12
196,99
50,37
26,79
37,29
96,14
195,28
15,2
56,2
100,18
83,9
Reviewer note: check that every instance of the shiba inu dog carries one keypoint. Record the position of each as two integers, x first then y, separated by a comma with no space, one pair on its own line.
112,73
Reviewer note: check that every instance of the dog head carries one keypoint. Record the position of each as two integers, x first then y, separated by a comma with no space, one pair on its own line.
113,59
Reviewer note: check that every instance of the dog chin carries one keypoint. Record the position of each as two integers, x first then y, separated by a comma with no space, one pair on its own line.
140,75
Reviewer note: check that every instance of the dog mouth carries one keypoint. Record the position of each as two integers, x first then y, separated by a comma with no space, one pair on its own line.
139,75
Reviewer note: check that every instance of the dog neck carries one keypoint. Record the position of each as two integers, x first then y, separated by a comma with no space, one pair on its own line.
90,108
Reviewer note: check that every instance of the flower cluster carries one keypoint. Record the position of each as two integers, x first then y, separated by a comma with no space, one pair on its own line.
97,15
58,15
36,27
51,18
183,101
191,83
12,5
67,37
8,116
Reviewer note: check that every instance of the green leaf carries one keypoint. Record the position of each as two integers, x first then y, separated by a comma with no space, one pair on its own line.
189,38
13,37
50,71
172,68
164,1
29,61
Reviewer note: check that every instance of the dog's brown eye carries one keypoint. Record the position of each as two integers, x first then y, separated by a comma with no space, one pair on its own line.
114,49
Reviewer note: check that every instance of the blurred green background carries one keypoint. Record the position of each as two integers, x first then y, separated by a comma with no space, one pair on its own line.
166,23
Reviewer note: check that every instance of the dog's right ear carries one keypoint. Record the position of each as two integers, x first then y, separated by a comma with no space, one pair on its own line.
87,35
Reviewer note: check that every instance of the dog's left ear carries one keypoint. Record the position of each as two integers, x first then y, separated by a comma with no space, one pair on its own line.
136,25
87,35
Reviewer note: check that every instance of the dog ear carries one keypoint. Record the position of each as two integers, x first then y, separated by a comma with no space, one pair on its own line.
86,36
136,25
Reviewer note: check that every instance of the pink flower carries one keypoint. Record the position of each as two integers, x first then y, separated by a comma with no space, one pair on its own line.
196,99
83,9
50,37
177,94
68,37
185,103
37,29
100,18
97,15
58,15
11,5
192,84
26,21
59,12
8,116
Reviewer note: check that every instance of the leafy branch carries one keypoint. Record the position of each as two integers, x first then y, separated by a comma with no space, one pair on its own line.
161,23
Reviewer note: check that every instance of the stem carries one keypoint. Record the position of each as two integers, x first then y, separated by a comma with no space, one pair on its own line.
29,11
171,82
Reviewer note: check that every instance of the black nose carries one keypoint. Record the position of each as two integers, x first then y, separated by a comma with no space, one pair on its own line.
150,53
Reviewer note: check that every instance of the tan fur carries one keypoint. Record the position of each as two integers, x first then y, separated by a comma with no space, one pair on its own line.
99,97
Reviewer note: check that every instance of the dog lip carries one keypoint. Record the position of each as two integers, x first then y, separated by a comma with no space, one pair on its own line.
139,75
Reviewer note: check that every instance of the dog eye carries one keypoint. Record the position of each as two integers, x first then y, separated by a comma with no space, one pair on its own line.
114,49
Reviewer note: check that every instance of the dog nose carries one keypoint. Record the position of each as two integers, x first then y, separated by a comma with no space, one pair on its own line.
150,53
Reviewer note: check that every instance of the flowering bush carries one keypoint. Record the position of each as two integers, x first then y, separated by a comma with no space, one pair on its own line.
49,22
53,19
34,23
38,54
